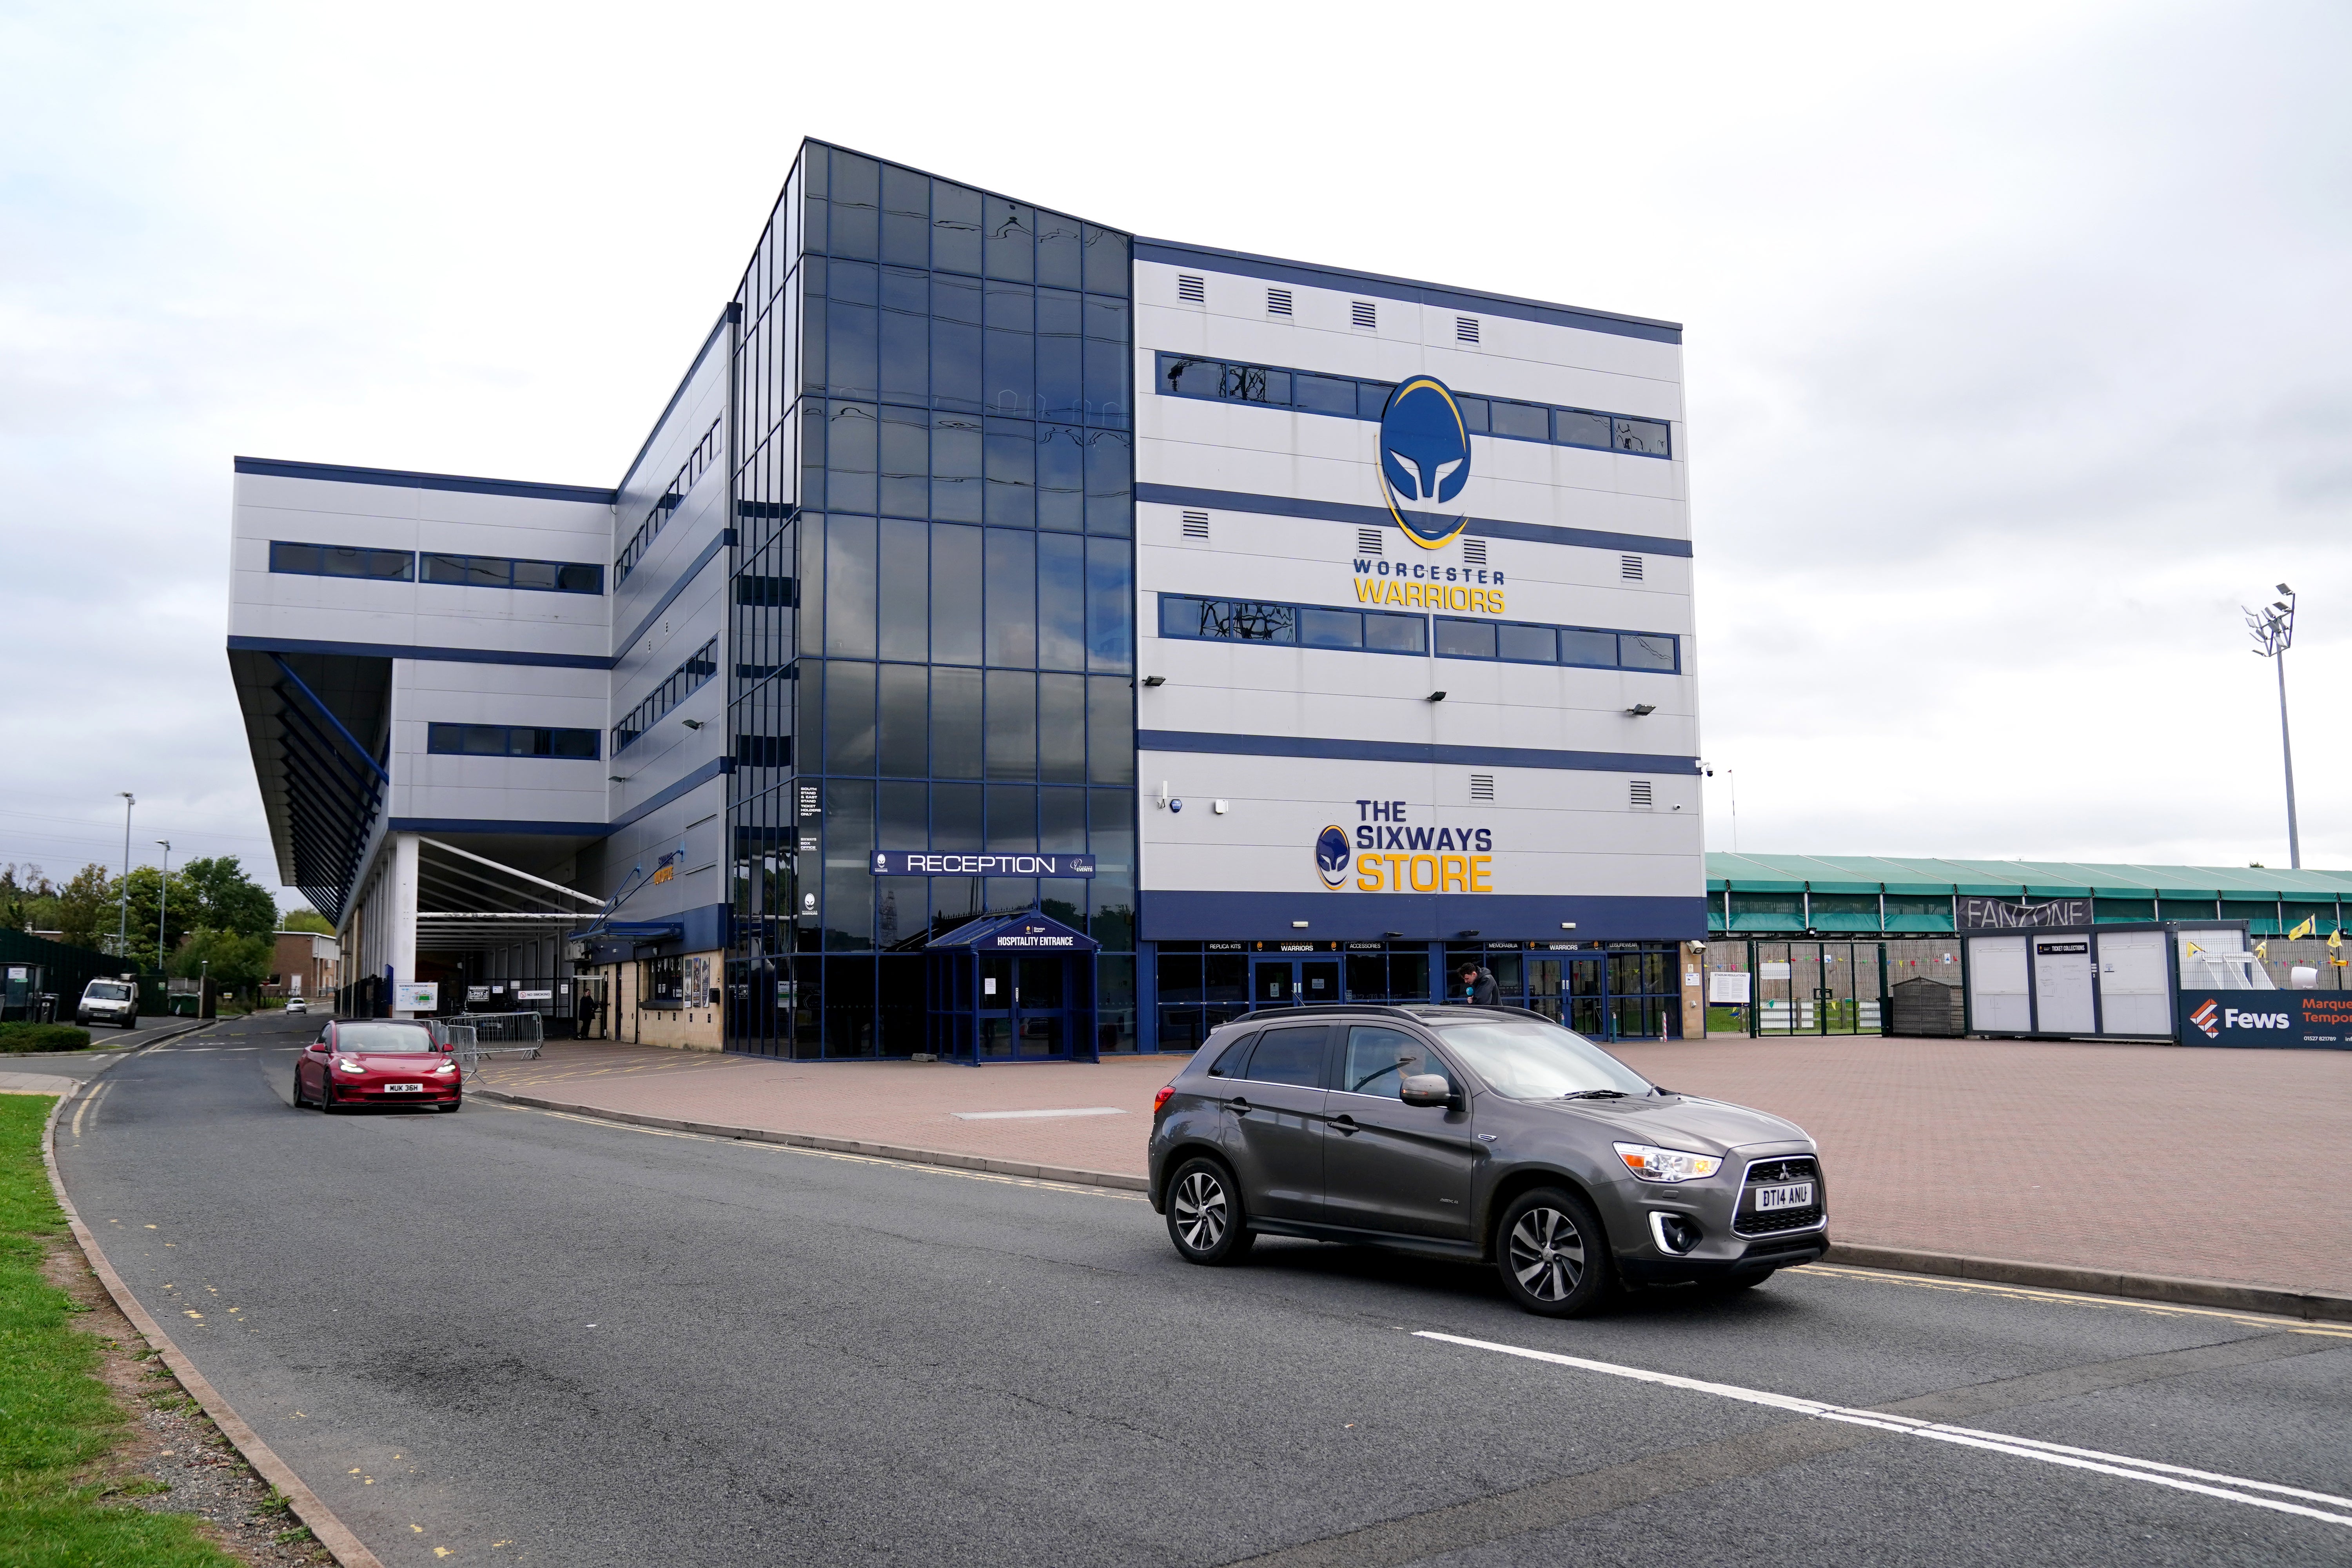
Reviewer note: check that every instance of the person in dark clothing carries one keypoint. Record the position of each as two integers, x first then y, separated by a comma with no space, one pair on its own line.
1479,987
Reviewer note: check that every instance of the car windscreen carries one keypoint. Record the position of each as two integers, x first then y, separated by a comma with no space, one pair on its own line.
1525,1058
380,1039
107,991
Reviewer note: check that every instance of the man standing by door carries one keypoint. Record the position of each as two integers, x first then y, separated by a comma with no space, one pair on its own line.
1479,987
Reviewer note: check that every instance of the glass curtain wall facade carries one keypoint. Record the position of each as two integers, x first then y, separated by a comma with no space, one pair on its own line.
932,639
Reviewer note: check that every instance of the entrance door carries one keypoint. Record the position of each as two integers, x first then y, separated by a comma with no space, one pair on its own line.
1817,987
1584,1008
1543,994
1290,982
1025,1008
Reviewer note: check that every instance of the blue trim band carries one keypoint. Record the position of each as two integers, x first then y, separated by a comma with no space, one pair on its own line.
1409,752
1378,516
716,767
1241,263
402,650
1170,915
484,825
404,479
731,312
709,552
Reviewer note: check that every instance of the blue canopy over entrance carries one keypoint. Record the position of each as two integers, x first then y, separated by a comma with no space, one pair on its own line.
1011,987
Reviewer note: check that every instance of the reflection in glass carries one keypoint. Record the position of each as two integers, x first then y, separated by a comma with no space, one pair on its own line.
903,618
955,595
1060,602
955,723
850,717
1012,724
903,721
1061,728
1011,598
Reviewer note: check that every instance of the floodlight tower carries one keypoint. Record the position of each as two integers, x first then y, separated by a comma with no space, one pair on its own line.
2273,627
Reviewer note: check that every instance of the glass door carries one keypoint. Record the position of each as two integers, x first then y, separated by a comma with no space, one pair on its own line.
1584,1013
1544,994
1273,983
992,1032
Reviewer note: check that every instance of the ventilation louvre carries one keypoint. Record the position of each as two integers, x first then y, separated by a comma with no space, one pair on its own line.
1367,318
1473,552
1641,795
1196,525
1629,567
1367,540
1277,302
1465,328
1482,787
1190,289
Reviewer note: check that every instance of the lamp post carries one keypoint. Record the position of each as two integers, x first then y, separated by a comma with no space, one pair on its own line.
122,936
163,902
2273,627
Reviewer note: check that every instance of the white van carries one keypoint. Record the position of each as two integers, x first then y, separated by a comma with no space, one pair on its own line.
109,1001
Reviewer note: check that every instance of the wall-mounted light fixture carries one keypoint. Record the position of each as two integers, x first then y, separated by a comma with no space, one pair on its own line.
1437,697
616,778
1643,710
1568,925
1299,925
691,723
1155,681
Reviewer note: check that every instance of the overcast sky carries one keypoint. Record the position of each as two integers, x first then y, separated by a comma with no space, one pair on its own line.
2016,336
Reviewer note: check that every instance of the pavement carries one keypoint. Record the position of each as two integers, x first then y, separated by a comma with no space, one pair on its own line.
2149,1159
523,1336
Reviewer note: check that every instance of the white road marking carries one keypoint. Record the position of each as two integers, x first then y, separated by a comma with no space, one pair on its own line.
2119,1465
1034,1115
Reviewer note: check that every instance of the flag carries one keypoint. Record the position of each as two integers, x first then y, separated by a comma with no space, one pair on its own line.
2263,951
2310,927
2336,938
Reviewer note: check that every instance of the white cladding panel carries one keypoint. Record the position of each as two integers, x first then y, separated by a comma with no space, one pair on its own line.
1573,829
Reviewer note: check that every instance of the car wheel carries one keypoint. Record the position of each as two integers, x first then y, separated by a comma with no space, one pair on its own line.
1205,1214
1552,1254
455,1105
326,1094
299,1103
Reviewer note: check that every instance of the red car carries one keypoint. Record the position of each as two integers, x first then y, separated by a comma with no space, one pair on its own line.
378,1061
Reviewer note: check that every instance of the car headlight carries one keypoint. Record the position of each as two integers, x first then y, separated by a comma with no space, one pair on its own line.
446,1067
1666,1164
347,1066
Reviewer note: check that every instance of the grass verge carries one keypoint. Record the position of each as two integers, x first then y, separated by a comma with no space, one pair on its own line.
58,1421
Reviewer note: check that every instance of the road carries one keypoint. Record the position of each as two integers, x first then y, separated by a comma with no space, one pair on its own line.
514,1336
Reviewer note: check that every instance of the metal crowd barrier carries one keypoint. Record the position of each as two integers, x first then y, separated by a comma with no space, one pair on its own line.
473,1036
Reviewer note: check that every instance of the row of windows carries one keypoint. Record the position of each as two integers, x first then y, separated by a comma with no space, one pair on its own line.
458,570
697,463
947,594
508,741
1301,626
902,462
963,346
856,206
684,681
910,721
1314,391
1382,631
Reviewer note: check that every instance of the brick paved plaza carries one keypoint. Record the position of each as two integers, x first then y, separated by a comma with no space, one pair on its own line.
2208,1164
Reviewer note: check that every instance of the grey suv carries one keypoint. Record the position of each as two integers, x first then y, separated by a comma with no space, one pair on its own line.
1478,1134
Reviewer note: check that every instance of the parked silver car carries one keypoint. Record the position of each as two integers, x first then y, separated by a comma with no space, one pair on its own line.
1482,1133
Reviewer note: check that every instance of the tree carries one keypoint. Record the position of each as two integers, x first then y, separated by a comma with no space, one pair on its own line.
301,919
86,907
179,911
228,899
22,890
233,962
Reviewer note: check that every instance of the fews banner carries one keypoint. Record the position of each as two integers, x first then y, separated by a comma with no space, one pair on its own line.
2278,1019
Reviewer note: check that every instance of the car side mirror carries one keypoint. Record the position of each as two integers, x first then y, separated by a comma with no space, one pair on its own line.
320,1046
1426,1088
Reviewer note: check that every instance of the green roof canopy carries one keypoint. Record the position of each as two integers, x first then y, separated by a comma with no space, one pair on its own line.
2017,878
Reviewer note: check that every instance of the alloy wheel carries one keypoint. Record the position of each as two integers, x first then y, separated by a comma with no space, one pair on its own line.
1547,1254
1201,1211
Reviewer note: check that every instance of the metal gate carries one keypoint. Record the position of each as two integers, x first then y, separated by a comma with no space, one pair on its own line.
1818,988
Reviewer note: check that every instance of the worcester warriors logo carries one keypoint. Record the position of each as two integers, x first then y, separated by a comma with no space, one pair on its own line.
1332,856
1424,460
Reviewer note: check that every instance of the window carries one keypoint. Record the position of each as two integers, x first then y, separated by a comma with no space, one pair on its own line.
1629,567
1234,1059
1473,552
1465,328
1366,318
1290,626
682,682
1277,302
1524,644
697,462
508,741
1190,289
1639,797
343,560
1379,1059
1196,525
1482,787
1289,1055
497,572
1367,540
1311,392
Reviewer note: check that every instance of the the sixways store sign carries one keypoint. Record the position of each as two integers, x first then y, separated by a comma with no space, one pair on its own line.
1385,851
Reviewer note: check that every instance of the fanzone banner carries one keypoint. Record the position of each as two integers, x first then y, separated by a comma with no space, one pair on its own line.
2278,1019
2005,914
